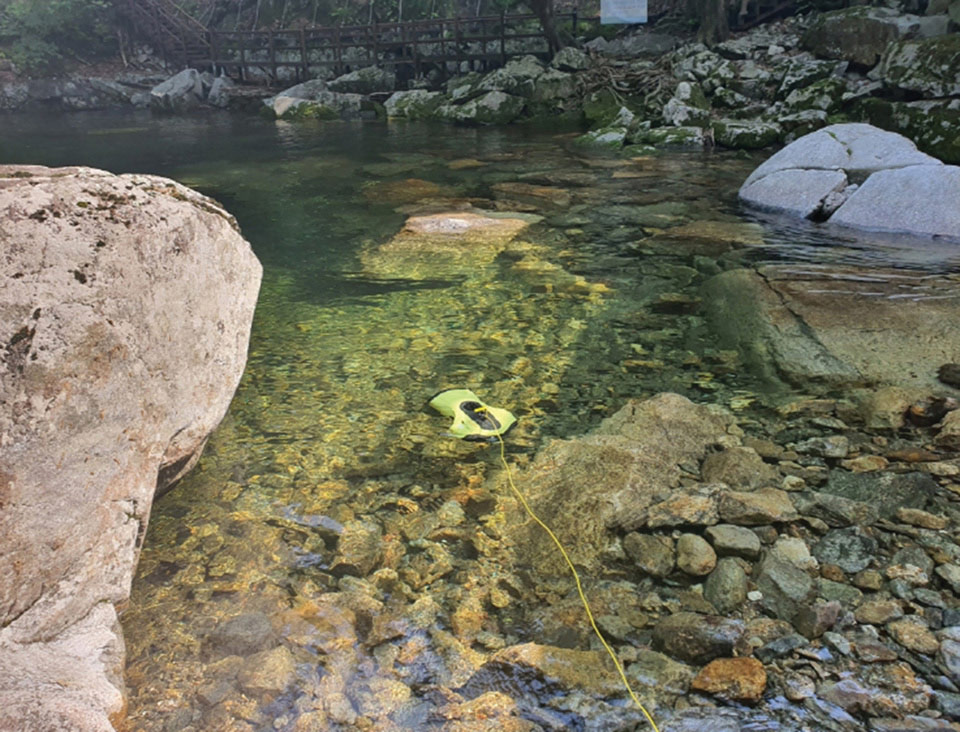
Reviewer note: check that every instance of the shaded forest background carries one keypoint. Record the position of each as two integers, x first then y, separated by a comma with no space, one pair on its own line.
48,36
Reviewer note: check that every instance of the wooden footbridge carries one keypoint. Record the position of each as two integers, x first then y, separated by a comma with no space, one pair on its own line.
272,56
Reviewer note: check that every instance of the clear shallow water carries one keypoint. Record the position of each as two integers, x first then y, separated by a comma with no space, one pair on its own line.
594,305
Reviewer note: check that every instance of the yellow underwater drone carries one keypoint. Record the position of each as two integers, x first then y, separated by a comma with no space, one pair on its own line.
478,422
472,419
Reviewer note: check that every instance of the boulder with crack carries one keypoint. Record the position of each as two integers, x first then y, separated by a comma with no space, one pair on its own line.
859,176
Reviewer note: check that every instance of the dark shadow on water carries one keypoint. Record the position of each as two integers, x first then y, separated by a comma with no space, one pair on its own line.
324,288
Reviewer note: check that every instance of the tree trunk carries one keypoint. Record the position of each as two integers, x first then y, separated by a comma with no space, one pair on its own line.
543,9
712,16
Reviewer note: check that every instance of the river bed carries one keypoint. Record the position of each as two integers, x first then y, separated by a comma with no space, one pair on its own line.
595,304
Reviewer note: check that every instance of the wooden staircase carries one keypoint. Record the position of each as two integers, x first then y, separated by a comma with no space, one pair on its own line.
182,40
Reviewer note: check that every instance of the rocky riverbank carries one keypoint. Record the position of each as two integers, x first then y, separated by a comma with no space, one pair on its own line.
892,68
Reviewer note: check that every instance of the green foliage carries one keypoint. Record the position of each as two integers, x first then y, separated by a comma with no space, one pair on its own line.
37,34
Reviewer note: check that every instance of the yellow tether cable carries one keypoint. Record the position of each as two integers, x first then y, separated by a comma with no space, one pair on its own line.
576,578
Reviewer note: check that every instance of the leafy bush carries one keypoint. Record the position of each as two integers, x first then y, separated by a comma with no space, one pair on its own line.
37,34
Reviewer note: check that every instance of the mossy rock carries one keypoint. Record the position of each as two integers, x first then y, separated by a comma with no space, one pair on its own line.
310,110
601,108
826,94
746,135
605,137
684,137
858,34
933,125
930,67
415,104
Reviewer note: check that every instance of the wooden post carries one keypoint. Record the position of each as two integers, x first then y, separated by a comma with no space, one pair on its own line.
303,55
273,55
457,37
212,35
338,53
373,29
503,38
243,59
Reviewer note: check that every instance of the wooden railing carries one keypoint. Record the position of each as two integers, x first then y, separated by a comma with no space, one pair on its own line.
180,38
259,55
482,41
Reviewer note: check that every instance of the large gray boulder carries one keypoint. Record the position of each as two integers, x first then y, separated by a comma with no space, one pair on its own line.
492,108
180,92
518,77
320,104
413,104
859,175
920,199
369,80
124,316
858,34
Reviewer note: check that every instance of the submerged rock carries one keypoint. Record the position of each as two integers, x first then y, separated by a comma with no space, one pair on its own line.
810,330
443,244
696,638
737,679
545,671
126,312
609,479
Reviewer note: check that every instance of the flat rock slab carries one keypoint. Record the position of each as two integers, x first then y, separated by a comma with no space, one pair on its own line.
444,244
809,325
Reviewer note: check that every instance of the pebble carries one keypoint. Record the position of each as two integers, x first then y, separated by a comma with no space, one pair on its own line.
797,687
736,679
833,572
726,587
242,635
696,638
950,573
760,507
794,550
695,556
780,647
268,672
653,555
950,658
451,514
737,541
785,587
738,467
814,620
879,612
846,595
868,579
838,642
793,483
850,549
865,463
833,446
914,635
923,519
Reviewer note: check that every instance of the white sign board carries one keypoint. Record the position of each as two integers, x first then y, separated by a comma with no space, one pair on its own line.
623,11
